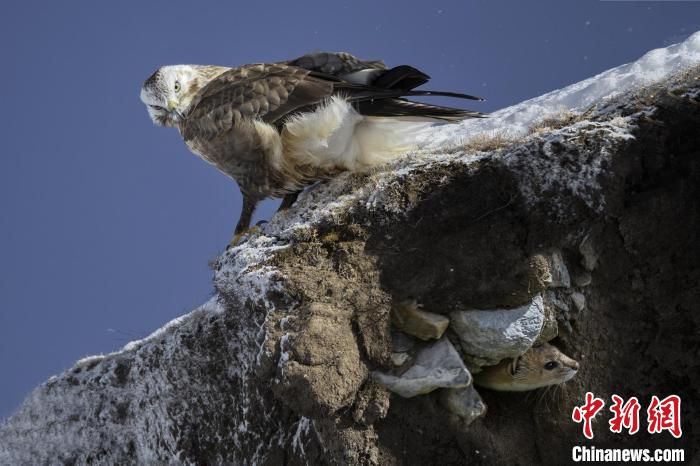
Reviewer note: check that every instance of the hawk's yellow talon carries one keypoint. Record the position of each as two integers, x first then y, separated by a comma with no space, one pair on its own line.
238,236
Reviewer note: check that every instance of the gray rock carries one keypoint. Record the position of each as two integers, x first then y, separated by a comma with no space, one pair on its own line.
558,271
579,301
425,325
556,302
400,342
474,364
436,366
398,359
464,402
589,255
568,329
500,333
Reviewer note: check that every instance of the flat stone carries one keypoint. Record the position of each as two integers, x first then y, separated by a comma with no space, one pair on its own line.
559,272
497,334
436,366
464,402
579,301
421,324
556,302
398,359
589,255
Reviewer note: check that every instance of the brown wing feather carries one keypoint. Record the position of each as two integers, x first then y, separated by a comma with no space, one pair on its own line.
270,92
264,91
334,63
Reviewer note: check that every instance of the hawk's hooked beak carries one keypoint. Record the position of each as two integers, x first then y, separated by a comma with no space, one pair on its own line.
172,105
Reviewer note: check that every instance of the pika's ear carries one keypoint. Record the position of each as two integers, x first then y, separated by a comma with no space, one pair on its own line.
514,365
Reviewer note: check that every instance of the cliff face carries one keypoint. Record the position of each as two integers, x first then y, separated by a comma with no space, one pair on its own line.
594,216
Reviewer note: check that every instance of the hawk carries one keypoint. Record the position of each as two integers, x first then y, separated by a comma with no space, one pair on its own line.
275,128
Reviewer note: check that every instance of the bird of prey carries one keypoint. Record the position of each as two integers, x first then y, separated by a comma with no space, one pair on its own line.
278,127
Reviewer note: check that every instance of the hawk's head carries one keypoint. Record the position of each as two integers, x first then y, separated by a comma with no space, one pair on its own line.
169,92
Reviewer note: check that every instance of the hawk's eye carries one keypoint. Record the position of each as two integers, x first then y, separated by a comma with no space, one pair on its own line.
550,365
177,86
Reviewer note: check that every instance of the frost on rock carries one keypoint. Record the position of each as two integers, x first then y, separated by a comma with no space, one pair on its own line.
559,161
147,402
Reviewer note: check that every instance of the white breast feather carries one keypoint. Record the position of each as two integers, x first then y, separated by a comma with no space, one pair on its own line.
335,136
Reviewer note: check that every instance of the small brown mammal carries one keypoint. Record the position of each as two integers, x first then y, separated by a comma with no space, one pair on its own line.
537,367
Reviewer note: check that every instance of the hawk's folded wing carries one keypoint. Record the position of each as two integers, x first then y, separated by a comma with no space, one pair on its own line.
263,91
335,63
270,92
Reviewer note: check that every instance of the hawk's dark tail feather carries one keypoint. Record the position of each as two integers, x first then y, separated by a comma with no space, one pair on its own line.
445,94
402,77
384,96
355,92
407,108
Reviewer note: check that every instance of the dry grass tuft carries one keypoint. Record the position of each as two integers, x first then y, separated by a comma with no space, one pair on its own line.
556,121
485,142
492,141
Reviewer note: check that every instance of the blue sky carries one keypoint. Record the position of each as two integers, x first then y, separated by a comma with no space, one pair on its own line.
107,222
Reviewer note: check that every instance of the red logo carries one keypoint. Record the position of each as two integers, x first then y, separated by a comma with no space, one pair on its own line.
665,415
661,415
587,412
624,415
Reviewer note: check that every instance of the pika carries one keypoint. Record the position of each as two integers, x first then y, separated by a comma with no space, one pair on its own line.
537,367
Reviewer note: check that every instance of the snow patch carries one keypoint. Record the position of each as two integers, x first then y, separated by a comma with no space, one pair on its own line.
518,119
87,360
551,161
243,271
